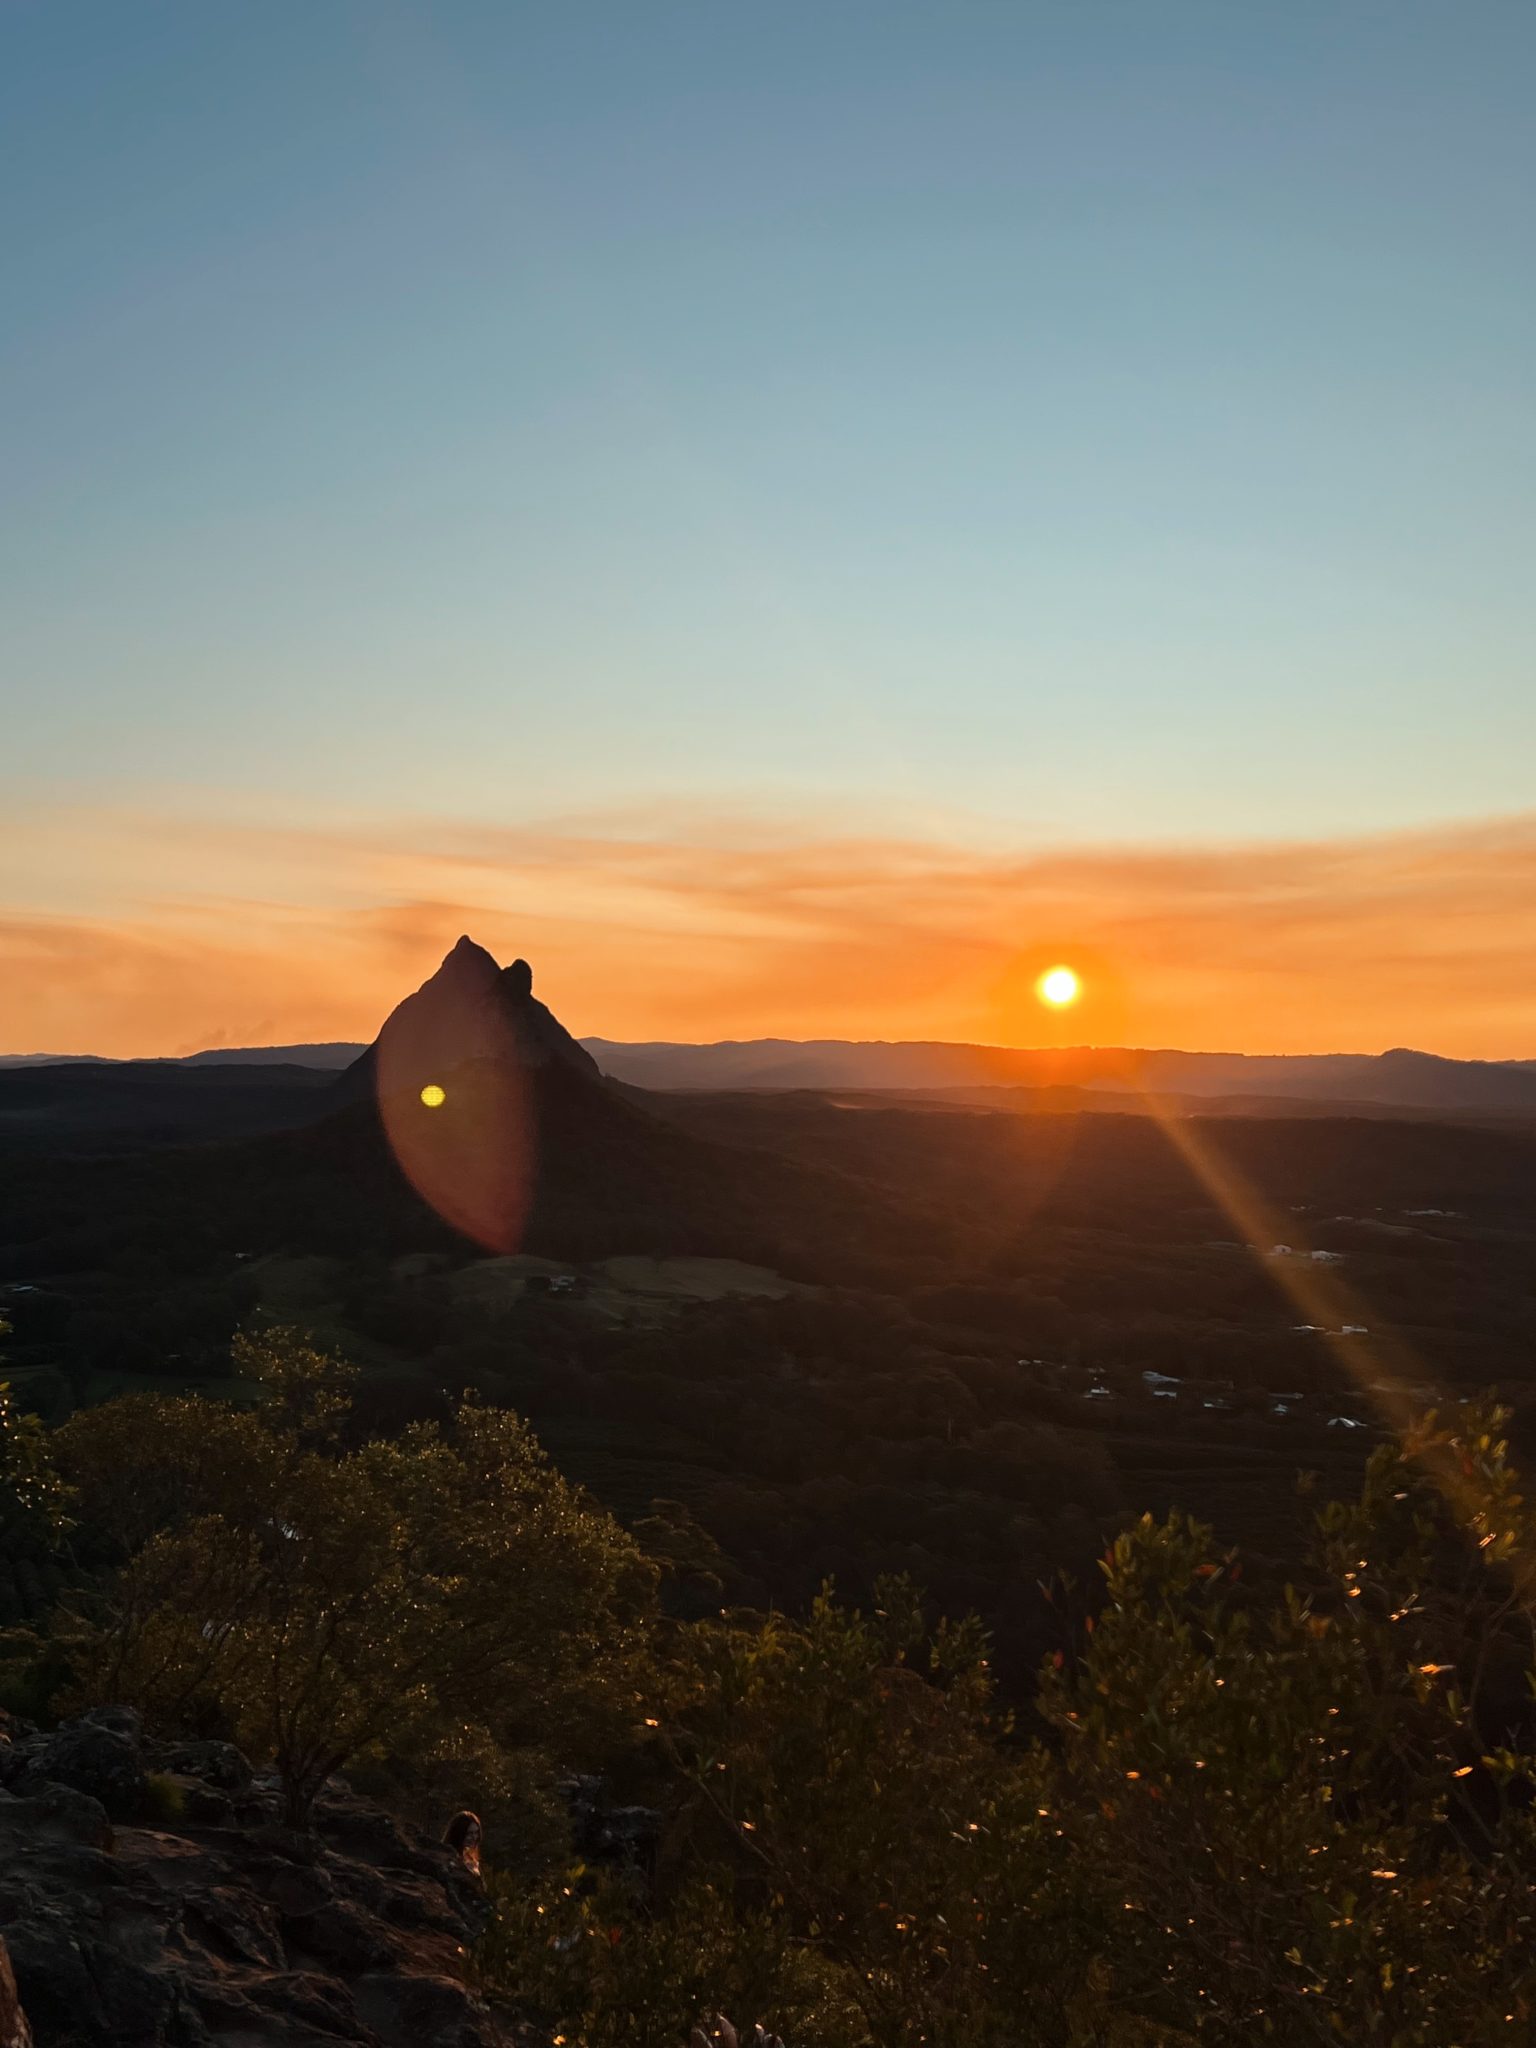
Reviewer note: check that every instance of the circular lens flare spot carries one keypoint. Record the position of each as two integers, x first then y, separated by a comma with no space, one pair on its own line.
434,1096
1058,986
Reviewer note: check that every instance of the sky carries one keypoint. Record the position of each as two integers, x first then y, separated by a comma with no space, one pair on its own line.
790,516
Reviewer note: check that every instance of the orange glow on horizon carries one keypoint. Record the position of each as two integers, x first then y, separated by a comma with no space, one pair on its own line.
300,935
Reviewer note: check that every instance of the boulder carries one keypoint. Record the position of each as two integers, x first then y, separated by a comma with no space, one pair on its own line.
78,1986
198,1801
340,1932
56,1813
125,1721
218,1764
95,1755
404,2012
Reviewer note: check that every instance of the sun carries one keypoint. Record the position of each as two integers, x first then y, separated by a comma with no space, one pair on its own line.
434,1096
1058,987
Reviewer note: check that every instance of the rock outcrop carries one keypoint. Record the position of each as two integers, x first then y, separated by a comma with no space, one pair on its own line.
149,1899
465,1076
471,1009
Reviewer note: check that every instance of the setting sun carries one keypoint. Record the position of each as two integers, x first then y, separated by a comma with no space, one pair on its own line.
1058,986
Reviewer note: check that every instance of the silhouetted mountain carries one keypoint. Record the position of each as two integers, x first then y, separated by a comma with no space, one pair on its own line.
507,1128
470,1009
474,1112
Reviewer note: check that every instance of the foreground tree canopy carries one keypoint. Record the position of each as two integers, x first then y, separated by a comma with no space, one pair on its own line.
1229,1812
329,1600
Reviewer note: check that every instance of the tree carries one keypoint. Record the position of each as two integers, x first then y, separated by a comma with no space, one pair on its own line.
35,1523
1286,1814
849,1771
34,1499
1289,1817
846,1830
330,1601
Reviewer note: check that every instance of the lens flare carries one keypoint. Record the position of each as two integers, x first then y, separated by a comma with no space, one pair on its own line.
1058,986
455,1102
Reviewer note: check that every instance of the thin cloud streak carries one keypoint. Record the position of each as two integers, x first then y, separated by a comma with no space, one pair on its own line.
677,925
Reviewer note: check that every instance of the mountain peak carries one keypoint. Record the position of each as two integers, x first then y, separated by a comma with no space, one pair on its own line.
466,962
464,1072
469,964
472,1008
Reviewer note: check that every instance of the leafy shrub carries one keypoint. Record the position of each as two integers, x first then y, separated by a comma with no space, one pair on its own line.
1295,1815
327,1601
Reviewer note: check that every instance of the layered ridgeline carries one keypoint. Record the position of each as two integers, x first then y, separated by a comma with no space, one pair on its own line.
483,1000
1244,1082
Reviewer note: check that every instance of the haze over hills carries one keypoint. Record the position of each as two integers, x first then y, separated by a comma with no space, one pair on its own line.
335,1053
1214,1082
1411,1079
474,1118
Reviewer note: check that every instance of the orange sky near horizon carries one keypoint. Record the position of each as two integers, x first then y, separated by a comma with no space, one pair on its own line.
236,933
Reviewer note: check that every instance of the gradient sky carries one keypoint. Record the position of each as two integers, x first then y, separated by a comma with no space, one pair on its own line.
788,514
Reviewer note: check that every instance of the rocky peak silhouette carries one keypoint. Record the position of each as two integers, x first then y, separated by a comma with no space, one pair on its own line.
471,1008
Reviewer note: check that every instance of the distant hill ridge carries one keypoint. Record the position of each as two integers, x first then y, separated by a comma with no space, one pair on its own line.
1404,1077
330,1053
475,1116
472,984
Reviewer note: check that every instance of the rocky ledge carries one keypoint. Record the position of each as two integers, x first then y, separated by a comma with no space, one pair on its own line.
150,1899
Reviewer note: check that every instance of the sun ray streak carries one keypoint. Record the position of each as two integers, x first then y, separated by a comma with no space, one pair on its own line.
1383,1367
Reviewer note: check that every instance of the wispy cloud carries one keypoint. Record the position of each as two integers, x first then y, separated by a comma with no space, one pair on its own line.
155,934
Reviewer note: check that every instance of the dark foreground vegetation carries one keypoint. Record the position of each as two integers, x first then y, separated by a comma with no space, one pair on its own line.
1221,1813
